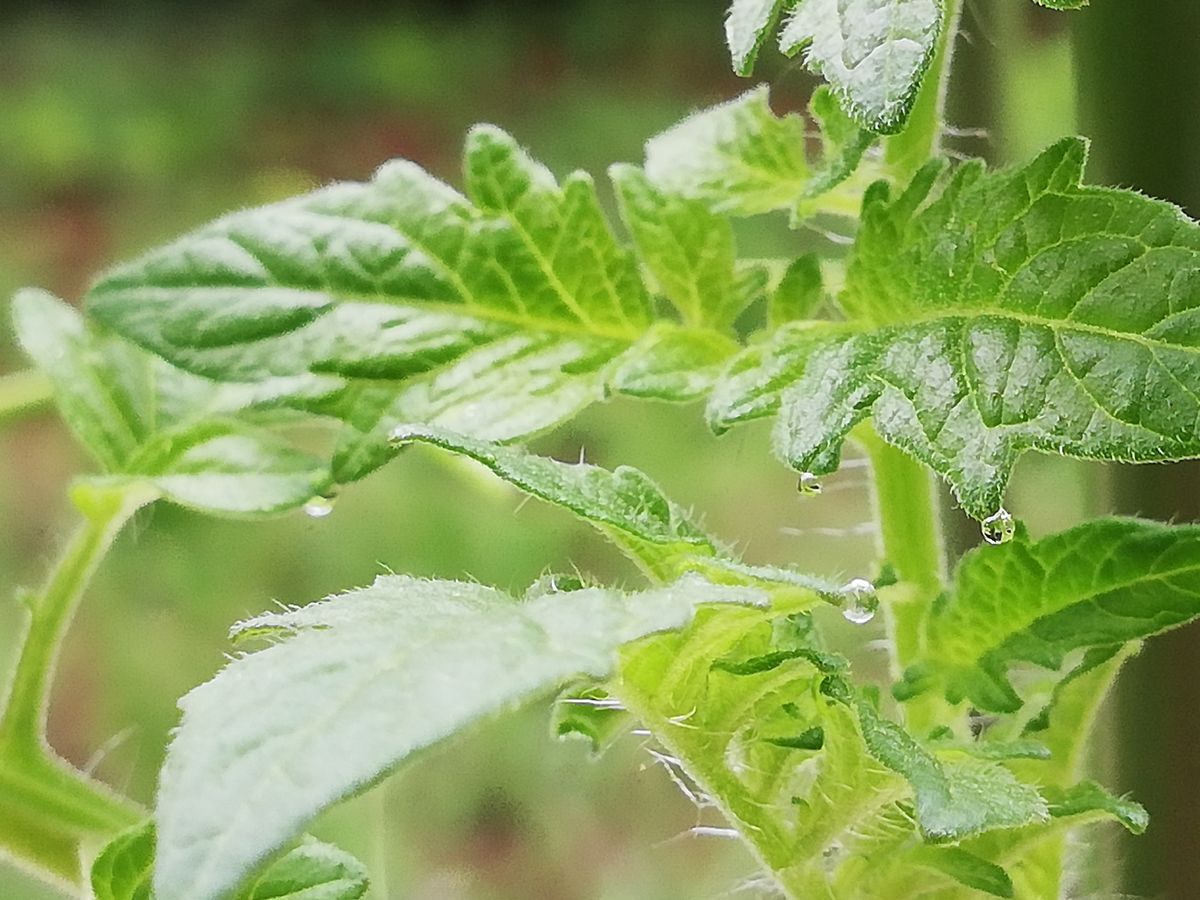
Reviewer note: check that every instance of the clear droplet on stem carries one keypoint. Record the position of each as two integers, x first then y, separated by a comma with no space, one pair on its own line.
808,484
999,527
859,601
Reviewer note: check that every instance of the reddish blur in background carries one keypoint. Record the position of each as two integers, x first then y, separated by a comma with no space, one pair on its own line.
124,124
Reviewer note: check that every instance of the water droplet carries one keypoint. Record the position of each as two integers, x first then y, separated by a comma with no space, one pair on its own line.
808,484
859,601
318,507
999,527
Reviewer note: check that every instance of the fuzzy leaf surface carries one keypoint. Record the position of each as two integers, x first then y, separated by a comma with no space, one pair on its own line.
738,157
748,25
992,313
356,684
1098,585
873,53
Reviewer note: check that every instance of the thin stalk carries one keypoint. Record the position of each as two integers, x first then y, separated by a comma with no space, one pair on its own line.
46,806
23,392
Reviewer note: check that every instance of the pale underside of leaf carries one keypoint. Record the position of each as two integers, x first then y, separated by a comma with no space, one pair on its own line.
361,682
874,53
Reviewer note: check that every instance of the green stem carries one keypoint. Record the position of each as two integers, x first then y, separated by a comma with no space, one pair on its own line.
919,142
23,392
910,539
46,806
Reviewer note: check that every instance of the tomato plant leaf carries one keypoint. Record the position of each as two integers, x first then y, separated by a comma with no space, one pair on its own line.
311,871
1088,800
966,868
998,313
282,733
748,25
689,249
738,156
874,53
102,387
224,467
1100,584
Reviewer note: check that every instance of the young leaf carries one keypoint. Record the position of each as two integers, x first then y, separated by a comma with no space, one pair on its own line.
102,387
689,249
873,52
125,866
1088,800
953,800
312,871
1015,310
223,467
747,26
738,157
966,868
623,499
1097,585
358,683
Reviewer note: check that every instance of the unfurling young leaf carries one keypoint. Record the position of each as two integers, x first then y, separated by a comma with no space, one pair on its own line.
356,684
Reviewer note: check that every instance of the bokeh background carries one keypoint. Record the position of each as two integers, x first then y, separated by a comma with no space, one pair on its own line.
124,124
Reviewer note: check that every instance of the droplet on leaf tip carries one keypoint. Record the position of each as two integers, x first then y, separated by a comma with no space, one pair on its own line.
999,528
808,484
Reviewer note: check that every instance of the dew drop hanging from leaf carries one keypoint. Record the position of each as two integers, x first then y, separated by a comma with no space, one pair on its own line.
999,527
808,484
319,507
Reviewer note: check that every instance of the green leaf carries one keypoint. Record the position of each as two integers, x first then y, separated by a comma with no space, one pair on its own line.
966,868
312,871
1088,800
992,314
224,467
689,249
586,711
747,26
873,52
738,157
1094,586
800,292
102,387
499,314
281,734
953,800
623,499
125,866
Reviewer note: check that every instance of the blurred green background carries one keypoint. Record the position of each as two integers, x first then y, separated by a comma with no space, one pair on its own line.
124,124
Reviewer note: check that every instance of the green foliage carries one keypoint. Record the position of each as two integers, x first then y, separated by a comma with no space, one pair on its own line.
976,316
1099,585
873,52
312,871
994,313
284,732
